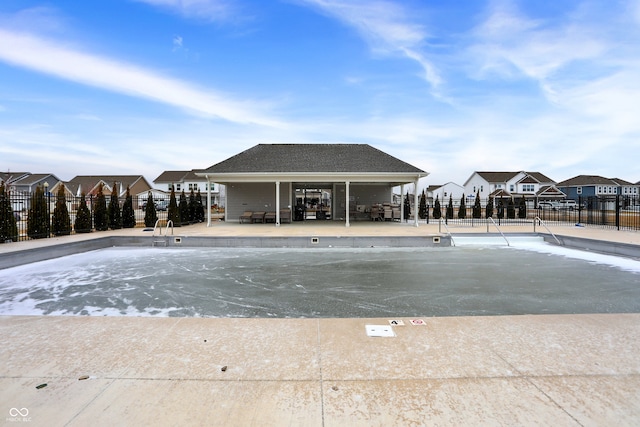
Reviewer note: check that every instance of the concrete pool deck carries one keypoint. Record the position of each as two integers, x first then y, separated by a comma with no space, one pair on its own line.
572,370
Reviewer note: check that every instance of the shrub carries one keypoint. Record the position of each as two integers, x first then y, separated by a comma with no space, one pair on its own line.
477,208
100,215
128,214
462,211
83,217
199,208
489,208
423,212
437,210
407,207
511,209
183,208
113,212
173,214
522,208
61,221
38,224
150,214
450,208
8,223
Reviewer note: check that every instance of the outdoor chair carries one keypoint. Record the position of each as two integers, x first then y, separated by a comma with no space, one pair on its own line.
246,216
258,217
285,215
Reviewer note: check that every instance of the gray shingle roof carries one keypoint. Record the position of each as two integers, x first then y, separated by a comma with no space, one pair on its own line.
585,180
310,158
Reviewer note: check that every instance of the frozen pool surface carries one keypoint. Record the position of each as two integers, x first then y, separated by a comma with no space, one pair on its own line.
531,278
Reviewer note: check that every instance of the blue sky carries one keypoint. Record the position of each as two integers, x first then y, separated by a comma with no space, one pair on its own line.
143,86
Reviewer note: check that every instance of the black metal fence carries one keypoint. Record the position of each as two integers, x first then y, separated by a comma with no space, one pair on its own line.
20,204
613,212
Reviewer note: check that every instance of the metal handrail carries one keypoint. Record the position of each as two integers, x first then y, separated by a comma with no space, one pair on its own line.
498,228
170,222
453,243
545,226
155,226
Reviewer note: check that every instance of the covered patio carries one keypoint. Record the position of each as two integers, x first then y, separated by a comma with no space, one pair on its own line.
338,182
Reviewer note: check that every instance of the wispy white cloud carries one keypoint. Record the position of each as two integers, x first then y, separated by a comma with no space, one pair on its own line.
50,57
387,28
209,10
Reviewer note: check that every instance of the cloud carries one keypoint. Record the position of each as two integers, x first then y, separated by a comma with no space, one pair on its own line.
386,27
209,10
177,43
50,57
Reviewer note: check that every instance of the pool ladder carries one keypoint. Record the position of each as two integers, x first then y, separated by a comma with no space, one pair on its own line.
159,239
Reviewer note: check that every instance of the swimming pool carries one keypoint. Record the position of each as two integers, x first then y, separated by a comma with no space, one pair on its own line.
526,278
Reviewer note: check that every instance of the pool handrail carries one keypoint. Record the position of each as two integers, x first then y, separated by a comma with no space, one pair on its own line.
545,226
453,243
166,232
498,228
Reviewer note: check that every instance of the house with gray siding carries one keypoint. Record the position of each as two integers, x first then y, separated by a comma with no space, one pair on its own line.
345,180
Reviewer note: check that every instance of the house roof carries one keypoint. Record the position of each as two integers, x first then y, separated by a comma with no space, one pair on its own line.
10,177
507,176
177,176
585,180
33,178
313,163
320,158
87,183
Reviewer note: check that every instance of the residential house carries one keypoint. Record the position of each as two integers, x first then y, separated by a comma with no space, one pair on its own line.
89,184
187,181
443,192
533,186
588,188
23,184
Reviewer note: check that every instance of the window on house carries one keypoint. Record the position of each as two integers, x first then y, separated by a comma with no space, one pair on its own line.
528,188
177,187
512,188
599,190
482,188
579,190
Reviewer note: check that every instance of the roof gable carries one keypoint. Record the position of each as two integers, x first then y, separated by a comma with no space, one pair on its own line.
313,158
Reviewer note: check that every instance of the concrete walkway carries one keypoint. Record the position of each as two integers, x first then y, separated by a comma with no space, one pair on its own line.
561,370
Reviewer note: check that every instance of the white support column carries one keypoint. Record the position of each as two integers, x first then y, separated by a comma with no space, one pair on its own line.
346,204
277,203
402,203
415,203
208,201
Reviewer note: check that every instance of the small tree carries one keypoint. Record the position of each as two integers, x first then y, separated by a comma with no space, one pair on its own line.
522,208
100,215
173,213
61,220
83,217
183,207
128,214
462,211
477,208
437,210
38,224
8,223
192,206
500,209
407,207
199,208
511,209
423,213
150,214
114,212
450,207
489,208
